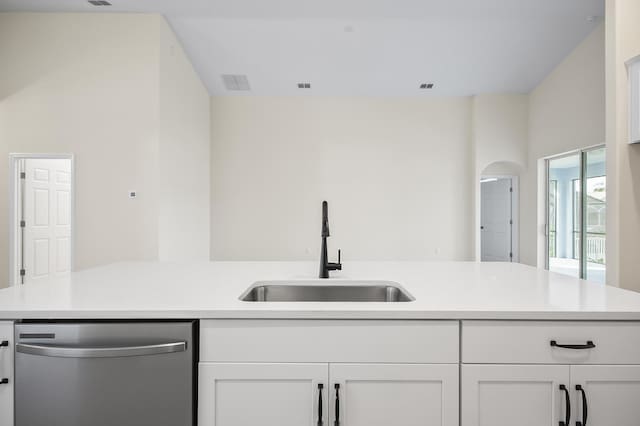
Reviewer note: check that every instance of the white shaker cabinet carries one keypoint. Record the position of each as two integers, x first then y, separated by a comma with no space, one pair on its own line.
507,395
269,372
266,394
606,395
6,373
261,394
401,394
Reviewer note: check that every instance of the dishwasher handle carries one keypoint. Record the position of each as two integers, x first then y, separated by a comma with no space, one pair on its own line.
99,351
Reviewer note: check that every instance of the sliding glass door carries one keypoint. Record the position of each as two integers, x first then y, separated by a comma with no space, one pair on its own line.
576,214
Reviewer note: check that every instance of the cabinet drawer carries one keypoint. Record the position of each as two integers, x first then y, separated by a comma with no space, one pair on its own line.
428,342
529,342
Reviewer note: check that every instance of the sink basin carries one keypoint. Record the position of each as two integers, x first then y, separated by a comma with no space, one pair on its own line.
326,291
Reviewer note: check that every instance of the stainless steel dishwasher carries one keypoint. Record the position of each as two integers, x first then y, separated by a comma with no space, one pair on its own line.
105,374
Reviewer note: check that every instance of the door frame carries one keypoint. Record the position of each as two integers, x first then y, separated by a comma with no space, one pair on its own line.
15,206
515,215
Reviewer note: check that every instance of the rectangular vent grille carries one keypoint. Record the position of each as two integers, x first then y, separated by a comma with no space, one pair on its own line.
236,82
426,86
99,3
304,85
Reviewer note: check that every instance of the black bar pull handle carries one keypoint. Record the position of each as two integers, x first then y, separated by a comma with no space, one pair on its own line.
337,405
567,404
580,389
320,387
4,381
4,344
588,345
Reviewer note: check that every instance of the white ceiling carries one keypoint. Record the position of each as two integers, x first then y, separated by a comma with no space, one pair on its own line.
367,47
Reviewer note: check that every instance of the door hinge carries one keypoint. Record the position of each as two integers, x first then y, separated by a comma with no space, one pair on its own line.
22,272
511,222
511,189
23,175
511,255
23,224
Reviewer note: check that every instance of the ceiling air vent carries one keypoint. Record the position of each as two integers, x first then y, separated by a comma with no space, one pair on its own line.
304,85
426,86
99,3
235,82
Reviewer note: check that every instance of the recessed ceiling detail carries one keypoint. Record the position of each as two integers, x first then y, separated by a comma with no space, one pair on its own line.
304,85
467,46
426,86
99,3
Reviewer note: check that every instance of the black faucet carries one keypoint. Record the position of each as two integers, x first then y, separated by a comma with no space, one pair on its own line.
325,265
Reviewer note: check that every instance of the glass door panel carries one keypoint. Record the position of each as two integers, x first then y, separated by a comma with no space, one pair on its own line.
576,209
564,215
595,214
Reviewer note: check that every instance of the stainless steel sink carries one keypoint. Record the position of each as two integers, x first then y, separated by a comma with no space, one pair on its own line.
326,291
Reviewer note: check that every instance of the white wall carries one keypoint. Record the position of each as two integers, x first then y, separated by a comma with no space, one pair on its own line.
87,85
566,112
623,160
183,156
396,173
500,135
100,86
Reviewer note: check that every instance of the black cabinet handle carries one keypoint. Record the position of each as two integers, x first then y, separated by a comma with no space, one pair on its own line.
320,422
4,344
568,405
584,406
337,407
4,381
589,345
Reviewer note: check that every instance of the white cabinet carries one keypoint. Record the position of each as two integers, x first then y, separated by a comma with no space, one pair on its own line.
610,394
512,372
6,373
371,373
268,394
506,395
260,394
388,394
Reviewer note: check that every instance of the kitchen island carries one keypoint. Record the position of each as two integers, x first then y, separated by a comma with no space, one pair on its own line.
442,290
481,344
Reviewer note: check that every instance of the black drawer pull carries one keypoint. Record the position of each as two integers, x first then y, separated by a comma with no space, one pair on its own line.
584,406
567,404
589,345
320,422
4,344
4,381
337,407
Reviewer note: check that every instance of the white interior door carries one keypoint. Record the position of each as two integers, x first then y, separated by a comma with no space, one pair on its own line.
261,394
47,218
395,394
495,220
611,393
507,395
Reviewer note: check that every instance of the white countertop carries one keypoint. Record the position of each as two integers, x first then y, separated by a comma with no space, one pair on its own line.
443,290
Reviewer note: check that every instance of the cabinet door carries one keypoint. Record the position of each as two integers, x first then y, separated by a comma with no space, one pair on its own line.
394,394
6,372
261,394
611,393
507,395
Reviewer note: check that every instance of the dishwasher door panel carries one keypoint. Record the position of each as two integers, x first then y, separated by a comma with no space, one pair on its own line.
123,374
